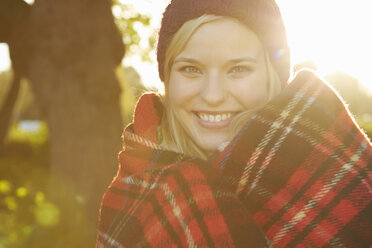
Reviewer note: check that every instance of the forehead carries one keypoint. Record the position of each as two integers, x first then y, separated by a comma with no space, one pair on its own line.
224,36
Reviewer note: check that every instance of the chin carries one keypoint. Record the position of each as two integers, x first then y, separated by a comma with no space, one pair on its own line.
210,146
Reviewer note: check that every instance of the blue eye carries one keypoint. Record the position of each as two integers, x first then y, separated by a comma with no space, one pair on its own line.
190,69
240,69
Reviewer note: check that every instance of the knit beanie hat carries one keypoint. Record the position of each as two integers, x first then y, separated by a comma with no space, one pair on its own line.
261,16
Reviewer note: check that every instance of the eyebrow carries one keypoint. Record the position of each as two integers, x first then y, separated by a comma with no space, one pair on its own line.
250,59
185,59
232,61
242,59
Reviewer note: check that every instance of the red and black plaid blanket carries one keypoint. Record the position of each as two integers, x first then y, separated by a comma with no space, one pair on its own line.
297,175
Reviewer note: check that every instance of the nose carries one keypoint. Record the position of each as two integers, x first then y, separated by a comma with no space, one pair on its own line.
213,90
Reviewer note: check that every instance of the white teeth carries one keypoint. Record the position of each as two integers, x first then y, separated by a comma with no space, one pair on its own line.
214,118
204,117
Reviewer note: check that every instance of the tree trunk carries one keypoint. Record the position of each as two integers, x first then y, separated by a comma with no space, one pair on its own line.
14,16
72,75
7,107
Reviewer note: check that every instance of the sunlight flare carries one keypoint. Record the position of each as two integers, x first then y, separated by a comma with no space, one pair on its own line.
332,33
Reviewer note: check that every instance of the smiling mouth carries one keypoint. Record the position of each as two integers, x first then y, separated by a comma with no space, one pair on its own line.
214,117
219,119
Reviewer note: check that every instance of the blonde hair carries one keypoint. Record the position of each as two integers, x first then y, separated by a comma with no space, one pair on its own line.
171,133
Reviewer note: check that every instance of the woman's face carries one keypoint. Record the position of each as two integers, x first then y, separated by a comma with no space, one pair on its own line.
220,73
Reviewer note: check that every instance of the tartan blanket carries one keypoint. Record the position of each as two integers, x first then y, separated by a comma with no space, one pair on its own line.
298,174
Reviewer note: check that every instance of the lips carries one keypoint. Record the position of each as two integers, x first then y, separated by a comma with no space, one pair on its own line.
214,120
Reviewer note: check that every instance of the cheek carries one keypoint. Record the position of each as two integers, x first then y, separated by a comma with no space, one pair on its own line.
176,95
174,90
180,91
250,95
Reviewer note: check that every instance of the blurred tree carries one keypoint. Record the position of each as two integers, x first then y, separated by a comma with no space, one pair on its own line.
133,24
132,87
348,87
76,47
129,22
352,91
14,20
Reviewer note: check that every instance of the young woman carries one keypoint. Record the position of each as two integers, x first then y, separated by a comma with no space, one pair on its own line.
232,155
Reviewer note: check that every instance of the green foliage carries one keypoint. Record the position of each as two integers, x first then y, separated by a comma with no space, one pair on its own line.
132,88
25,107
22,211
29,217
35,138
23,174
366,127
132,26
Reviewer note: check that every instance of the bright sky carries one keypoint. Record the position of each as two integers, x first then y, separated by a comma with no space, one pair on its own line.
4,57
335,34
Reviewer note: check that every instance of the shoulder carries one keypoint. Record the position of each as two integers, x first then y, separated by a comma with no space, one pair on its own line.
307,76
312,88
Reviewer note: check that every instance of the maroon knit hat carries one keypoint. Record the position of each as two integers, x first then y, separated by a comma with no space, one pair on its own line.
261,16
